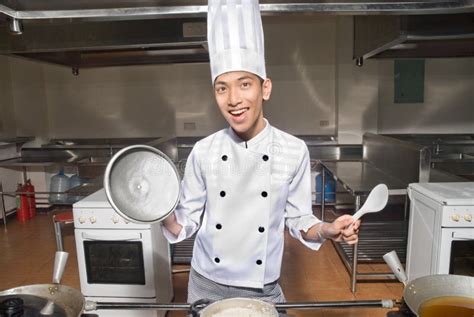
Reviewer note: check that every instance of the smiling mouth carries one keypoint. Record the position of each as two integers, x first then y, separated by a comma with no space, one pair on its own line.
238,112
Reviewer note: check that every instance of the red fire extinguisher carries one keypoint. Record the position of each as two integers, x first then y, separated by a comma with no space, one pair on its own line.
22,210
30,189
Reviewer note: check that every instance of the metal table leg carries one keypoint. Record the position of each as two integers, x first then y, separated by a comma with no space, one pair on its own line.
354,255
4,212
25,175
323,192
405,215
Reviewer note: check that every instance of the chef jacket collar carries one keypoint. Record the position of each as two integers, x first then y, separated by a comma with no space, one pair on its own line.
253,141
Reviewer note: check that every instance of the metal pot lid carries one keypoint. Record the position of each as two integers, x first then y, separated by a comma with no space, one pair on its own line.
142,184
30,299
27,306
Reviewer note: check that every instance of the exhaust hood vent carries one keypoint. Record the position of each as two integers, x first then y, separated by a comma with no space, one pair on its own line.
95,33
414,36
109,43
185,53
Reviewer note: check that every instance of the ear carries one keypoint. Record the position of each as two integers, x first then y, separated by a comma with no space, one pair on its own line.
266,89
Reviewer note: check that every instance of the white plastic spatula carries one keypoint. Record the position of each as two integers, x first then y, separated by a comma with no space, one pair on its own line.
376,201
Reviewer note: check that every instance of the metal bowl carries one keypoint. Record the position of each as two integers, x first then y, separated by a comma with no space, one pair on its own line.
142,184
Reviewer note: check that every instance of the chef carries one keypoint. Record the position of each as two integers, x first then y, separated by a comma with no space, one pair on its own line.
243,184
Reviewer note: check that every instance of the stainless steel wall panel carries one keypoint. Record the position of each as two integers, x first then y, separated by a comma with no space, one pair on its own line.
448,100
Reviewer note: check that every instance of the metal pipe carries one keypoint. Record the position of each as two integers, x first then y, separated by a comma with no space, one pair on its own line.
153,12
384,303
377,276
354,255
129,306
25,175
323,193
4,211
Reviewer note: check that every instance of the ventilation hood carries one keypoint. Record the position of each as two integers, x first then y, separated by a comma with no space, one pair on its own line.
109,43
414,36
97,33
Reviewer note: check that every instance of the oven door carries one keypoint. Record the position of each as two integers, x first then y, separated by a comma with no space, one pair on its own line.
456,254
115,263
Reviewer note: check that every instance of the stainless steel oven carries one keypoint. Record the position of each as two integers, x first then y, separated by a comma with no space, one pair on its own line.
120,261
441,229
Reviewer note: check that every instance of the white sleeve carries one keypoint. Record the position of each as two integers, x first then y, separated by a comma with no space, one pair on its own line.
299,212
192,201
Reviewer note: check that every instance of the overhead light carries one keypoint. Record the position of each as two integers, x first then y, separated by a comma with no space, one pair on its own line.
360,61
16,27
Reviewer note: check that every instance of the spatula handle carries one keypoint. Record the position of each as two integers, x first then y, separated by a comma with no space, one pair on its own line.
358,214
391,258
60,261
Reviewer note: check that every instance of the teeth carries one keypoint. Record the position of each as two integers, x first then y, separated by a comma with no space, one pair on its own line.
238,112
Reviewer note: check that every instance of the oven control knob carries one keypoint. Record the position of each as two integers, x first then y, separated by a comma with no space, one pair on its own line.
115,219
82,219
93,219
468,218
455,217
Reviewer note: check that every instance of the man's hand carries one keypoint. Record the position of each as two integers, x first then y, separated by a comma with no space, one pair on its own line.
172,225
342,229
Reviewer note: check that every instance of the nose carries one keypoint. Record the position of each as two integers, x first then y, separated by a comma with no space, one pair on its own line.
234,97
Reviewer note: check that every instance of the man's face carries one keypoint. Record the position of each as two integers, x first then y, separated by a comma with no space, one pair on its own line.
240,96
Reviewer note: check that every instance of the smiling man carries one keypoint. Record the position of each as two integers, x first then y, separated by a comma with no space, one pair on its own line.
244,184
240,97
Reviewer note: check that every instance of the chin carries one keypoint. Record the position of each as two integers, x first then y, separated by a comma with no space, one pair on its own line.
239,128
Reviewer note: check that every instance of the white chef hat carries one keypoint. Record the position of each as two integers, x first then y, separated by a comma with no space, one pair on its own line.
235,37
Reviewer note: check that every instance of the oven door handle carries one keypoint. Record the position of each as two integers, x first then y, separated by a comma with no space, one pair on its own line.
129,236
461,236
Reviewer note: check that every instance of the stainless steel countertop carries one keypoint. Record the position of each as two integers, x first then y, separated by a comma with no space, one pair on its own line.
359,177
38,161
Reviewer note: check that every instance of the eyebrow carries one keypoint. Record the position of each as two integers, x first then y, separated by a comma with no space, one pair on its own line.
225,83
219,83
244,77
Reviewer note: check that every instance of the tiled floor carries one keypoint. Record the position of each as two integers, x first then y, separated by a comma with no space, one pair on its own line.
27,252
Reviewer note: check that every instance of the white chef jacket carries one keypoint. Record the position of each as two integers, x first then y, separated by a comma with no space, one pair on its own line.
239,194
